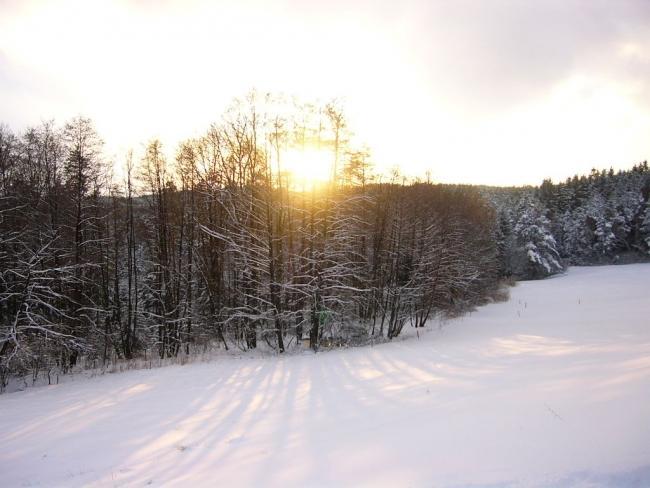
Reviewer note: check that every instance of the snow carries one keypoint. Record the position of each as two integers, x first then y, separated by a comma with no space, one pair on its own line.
551,388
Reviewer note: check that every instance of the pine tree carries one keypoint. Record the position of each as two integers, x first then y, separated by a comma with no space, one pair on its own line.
536,255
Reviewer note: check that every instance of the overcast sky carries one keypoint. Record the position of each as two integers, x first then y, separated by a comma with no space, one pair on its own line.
496,92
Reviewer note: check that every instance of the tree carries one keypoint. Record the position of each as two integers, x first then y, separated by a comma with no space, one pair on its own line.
536,254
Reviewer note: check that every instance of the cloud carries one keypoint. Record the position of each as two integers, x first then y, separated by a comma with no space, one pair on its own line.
442,84
490,55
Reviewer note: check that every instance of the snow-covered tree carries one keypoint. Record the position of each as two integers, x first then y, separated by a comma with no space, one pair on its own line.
536,254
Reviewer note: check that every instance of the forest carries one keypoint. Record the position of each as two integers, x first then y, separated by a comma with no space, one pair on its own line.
600,218
218,246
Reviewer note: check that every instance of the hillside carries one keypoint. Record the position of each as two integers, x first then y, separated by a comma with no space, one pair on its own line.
547,389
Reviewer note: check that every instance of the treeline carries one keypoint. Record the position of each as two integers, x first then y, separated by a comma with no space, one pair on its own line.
600,218
219,246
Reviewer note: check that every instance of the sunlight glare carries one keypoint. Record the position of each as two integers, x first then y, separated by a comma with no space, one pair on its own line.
307,168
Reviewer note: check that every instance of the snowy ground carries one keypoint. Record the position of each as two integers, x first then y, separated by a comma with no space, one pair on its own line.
549,389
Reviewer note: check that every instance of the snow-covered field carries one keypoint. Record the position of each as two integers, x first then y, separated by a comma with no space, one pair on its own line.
549,389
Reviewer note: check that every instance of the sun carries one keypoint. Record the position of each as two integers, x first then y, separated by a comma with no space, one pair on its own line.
307,168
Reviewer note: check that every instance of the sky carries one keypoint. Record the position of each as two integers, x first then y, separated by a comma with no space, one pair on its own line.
490,92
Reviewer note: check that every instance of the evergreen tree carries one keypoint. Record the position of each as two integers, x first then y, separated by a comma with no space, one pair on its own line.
536,254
